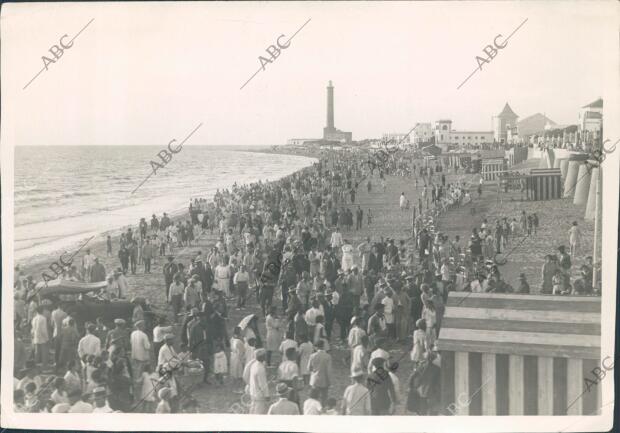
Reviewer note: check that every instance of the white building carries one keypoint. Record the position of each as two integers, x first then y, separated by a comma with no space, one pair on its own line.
300,141
395,138
591,117
447,138
422,133
502,122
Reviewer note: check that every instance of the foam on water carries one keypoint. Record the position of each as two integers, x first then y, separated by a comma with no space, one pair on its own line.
64,194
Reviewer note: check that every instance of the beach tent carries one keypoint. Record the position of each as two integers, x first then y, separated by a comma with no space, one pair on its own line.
544,184
518,354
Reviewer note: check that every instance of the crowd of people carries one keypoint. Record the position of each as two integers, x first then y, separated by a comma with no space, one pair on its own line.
283,256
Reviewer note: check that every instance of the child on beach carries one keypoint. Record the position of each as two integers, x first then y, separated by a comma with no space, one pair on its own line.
558,283
331,406
419,341
220,364
305,350
148,381
237,355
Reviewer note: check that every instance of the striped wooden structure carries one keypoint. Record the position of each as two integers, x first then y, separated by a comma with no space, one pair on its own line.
544,184
454,159
513,354
492,167
516,155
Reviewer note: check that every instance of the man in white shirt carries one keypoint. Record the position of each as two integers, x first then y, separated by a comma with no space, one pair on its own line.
101,403
283,406
167,352
388,313
78,405
356,333
336,239
257,384
356,398
140,350
359,354
90,343
40,338
58,315
312,405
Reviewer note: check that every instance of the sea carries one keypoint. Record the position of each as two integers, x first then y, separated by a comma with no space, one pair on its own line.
66,194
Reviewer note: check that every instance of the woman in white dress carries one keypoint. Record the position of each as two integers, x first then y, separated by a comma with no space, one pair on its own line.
419,341
347,256
275,333
222,276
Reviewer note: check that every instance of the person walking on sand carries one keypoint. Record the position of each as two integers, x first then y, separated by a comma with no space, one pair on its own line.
257,384
148,253
403,201
574,239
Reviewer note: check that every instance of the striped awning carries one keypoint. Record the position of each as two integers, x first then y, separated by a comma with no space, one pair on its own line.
515,324
545,172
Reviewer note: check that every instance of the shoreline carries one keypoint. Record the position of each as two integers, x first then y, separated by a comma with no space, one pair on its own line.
38,263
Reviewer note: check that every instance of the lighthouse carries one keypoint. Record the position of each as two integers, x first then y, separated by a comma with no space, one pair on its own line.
330,107
330,132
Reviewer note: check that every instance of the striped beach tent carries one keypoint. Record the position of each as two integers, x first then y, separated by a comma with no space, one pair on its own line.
544,184
517,354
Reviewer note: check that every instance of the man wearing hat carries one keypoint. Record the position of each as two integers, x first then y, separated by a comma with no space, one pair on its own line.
257,384
356,333
356,398
97,272
283,406
140,350
320,366
89,344
118,335
170,269
201,344
377,328
166,352
383,395
355,283
121,283
191,319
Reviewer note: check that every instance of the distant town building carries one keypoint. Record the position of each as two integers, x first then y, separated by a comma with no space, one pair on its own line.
422,133
504,120
591,116
395,138
446,138
302,141
533,124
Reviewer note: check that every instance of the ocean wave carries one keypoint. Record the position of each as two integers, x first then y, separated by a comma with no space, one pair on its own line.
96,196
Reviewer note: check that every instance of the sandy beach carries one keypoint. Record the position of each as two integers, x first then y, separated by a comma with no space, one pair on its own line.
388,221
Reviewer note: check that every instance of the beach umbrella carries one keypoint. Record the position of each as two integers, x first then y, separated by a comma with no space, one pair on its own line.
244,322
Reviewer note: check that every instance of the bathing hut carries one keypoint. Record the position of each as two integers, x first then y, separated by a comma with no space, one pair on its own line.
517,354
492,168
544,184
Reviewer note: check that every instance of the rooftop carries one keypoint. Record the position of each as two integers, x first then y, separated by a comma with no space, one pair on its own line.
507,112
596,104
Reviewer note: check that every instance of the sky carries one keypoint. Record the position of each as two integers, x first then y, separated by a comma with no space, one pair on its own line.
145,73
